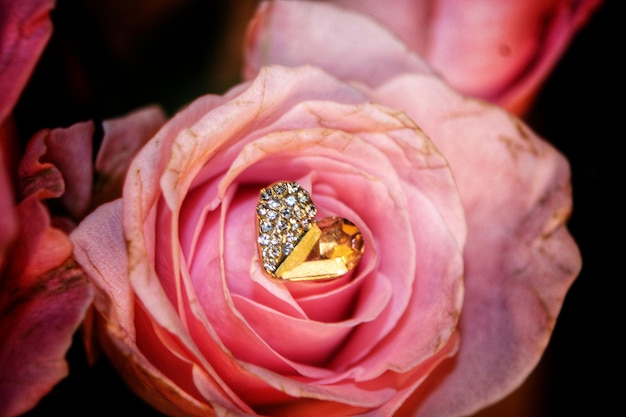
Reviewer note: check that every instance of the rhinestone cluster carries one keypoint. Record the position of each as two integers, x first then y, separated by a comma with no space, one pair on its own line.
285,212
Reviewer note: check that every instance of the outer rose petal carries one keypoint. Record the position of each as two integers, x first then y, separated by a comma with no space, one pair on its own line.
520,258
308,36
495,50
114,302
123,137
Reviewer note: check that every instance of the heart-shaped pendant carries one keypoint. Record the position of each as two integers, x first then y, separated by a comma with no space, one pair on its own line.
294,246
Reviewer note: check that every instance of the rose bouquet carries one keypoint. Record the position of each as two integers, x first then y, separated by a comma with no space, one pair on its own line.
453,253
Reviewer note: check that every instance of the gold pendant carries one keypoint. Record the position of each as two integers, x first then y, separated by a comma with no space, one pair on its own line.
294,246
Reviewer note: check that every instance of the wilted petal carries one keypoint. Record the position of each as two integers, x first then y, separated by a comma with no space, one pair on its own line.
44,299
59,161
24,30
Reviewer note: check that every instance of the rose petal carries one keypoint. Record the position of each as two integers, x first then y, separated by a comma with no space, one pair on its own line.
123,137
69,150
342,118
498,51
291,144
234,333
133,352
364,43
45,296
411,20
507,49
46,315
98,236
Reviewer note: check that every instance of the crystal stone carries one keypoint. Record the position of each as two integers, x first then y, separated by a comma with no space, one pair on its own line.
283,199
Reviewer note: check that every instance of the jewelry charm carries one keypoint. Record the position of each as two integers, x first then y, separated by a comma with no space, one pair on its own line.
294,246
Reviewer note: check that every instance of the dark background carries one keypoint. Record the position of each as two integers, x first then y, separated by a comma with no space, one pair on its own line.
108,57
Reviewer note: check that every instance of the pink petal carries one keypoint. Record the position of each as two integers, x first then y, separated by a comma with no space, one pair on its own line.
144,376
503,51
344,43
96,238
142,189
251,161
46,295
154,367
171,314
410,20
123,137
476,146
345,119
68,152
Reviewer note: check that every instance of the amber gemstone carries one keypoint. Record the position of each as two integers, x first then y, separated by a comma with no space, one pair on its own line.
331,248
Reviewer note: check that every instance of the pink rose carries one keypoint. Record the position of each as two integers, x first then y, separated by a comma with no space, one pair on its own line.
501,51
462,209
